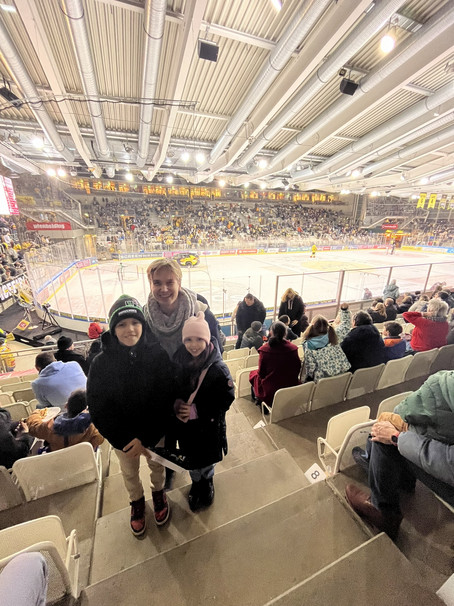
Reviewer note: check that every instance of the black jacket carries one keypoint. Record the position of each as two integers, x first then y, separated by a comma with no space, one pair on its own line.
203,440
295,309
68,355
246,314
364,347
130,391
12,448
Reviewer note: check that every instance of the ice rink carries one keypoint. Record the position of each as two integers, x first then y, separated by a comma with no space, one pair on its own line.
224,280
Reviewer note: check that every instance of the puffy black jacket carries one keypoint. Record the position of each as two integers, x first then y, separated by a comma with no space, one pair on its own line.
364,347
130,391
246,314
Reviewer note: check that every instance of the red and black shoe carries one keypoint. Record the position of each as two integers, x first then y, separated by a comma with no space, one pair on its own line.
138,522
161,507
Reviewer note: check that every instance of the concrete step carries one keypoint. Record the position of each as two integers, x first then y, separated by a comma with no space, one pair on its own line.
247,562
244,446
375,573
238,491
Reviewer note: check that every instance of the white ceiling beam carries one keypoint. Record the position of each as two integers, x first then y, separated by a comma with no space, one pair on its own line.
31,19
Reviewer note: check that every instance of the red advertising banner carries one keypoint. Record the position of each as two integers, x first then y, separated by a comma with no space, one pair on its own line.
62,226
247,251
389,226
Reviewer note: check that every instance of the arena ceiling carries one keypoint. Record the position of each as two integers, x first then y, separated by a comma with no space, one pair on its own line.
109,86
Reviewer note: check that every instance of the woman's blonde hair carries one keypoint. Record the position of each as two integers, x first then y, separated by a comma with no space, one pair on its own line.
381,309
318,327
289,294
169,264
438,308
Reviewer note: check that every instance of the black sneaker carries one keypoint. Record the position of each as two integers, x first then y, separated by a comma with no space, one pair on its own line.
138,522
207,492
194,496
360,457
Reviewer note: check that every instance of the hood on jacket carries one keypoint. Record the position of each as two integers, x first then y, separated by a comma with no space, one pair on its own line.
318,342
52,369
67,426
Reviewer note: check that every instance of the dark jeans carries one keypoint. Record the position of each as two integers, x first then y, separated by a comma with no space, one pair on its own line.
389,471
240,338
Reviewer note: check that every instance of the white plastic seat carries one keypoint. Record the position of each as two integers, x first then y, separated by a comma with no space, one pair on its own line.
33,404
364,380
390,404
237,353
53,472
47,536
17,410
6,398
29,378
242,385
408,328
10,495
13,386
7,381
24,395
336,430
251,361
330,390
420,364
444,360
235,365
356,436
290,402
394,372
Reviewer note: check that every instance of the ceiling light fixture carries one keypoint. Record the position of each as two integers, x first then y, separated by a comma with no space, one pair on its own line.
61,172
246,185
129,176
356,173
277,4
8,8
73,172
221,183
200,158
51,172
262,163
185,157
38,142
424,181
169,179
262,185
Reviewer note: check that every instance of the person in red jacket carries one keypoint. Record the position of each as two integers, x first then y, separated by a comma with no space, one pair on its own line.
431,326
279,365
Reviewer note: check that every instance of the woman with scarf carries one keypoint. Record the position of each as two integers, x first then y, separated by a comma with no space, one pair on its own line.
169,305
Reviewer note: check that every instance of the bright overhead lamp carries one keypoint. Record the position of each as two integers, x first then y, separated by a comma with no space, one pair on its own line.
51,172
387,43
262,185
38,142
356,173
221,183
200,158
61,172
344,192
262,163
424,181
169,179
185,157
414,197
73,172
277,4
129,176
246,185
8,8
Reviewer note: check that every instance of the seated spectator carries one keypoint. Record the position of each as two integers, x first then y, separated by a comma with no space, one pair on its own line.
395,347
431,326
95,330
69,428
66,353
323,357
291,336
422,448
390,309
363,345
49,340
279,365
56,380
377,313
15,441
24,580
94,350
391,290
343,323
445,296
367,294
405,305
253,336
420,304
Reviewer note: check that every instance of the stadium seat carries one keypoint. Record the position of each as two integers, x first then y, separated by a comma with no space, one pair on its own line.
43,475
237,353
29,378
45,535
17,410
6,398
235,365
420,364
33,404
330,390
444,360
10,494
290,402
8,381
24,395
251,361
394,372
336,431
12,386
356,436
390,404
364,381
242,385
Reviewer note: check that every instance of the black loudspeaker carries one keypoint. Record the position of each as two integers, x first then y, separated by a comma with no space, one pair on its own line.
348,87
208,50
